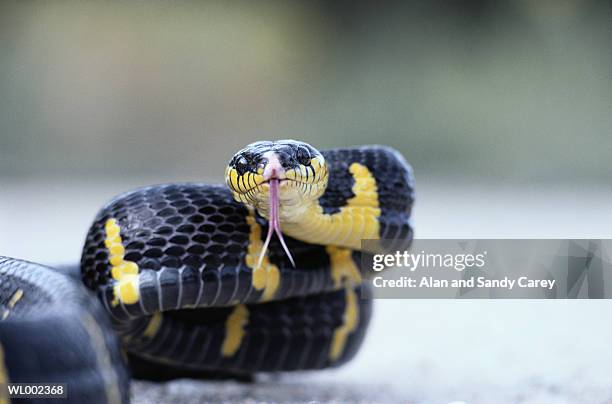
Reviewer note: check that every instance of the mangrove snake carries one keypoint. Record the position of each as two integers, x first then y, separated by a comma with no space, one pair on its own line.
190,277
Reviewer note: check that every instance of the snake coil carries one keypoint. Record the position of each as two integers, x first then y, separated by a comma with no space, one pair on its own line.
186,280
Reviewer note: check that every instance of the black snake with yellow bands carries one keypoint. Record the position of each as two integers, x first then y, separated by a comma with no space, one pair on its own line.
190,282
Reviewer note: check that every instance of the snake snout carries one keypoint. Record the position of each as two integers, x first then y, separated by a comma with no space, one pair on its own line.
273,169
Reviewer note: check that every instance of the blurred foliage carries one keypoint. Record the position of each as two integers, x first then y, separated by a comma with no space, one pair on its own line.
517,91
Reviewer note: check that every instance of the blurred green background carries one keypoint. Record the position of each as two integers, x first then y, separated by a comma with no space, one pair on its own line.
472,90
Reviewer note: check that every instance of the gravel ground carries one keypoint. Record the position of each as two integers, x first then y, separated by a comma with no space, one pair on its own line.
416,351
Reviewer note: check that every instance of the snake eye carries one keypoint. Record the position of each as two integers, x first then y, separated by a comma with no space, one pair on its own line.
242,165
303,156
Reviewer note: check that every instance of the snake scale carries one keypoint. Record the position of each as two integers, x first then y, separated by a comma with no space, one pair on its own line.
190,276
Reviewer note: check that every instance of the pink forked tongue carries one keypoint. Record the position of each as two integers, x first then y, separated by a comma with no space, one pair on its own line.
274,223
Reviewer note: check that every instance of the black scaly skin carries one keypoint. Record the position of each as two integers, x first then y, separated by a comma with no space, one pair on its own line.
58,333
283,335
190,242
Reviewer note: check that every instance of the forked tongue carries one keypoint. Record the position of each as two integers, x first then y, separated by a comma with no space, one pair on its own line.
274,223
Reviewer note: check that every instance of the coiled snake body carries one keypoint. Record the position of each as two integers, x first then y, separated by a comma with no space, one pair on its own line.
193,279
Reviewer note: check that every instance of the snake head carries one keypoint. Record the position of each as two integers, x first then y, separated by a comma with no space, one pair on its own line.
301,171
280,179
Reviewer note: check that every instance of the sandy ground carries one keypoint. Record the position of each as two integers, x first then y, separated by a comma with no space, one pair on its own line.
417,351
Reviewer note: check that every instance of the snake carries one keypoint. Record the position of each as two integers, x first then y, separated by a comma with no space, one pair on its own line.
260,274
